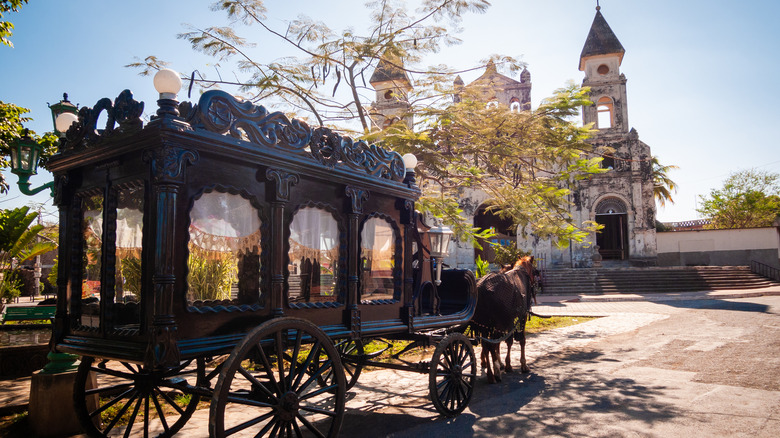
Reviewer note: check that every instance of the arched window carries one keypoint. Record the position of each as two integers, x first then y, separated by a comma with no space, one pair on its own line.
378,259
314,256
224,250
492,104
604,111
514,105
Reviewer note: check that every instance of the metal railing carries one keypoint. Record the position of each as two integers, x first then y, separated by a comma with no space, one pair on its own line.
765,270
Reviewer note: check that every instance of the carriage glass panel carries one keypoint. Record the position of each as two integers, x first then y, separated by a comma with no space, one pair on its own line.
313,257
91,256
377,260
128,242
223,266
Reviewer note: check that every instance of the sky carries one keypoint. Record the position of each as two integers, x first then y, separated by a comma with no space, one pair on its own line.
699,72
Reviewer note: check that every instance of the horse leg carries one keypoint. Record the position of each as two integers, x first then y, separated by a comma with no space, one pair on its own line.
523,365
509,342
495,351
487,365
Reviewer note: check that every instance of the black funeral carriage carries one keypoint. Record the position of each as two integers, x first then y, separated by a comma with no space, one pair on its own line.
226,254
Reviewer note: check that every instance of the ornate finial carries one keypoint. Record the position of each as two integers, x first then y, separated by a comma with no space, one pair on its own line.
598,8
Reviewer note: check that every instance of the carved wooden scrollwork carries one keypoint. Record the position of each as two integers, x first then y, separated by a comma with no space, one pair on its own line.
124,111
284,180
168,163
218,111
358,196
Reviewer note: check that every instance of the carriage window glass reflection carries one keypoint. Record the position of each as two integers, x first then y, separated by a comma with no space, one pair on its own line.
129,239
377,259
314,243
224,251
92,256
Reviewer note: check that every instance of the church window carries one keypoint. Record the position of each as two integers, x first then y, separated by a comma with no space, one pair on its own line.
608,162
388,94
604,112
492,104
603,69
514,105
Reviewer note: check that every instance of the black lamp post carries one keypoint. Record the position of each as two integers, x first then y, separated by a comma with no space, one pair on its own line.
63,114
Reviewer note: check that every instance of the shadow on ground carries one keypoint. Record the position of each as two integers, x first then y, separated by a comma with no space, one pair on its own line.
554,399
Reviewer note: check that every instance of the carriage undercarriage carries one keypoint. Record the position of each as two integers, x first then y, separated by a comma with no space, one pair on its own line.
284,378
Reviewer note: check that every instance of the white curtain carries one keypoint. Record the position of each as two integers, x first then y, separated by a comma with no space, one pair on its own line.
224,222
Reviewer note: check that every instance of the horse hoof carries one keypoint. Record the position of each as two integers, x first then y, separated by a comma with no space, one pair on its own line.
525,370
508,369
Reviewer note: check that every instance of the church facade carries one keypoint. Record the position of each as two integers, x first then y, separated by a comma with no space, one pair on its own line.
621,199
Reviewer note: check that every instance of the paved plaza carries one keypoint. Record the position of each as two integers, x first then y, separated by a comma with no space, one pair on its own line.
701,364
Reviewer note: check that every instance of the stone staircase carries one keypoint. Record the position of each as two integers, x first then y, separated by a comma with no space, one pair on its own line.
651,280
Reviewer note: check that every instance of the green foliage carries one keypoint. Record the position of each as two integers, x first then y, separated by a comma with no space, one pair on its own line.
748,198
508,254
325,61
6,27
663,186
483,267
130,267
523,160
11,130
210,274
17,241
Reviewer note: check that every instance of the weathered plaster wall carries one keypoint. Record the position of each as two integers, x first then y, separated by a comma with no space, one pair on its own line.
734,247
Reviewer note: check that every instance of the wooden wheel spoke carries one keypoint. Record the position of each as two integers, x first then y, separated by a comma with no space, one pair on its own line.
314,352
294,359
269,370
170,401
146,416
108,388
318,411
297,429
322,390
129,367
280,360
310,426
113,401
159,409
114,373
240,399
121,412
313,377
252,422
256,383
132,419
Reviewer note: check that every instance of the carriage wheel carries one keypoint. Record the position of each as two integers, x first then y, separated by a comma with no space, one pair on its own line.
113,397
267,385
452,373
351,349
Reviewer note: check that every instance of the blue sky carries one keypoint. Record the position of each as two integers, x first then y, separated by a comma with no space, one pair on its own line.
699,72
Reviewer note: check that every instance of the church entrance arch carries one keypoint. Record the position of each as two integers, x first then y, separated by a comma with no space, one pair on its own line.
486,218
613,238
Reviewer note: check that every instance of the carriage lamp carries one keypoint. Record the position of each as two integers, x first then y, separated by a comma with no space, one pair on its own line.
167,82
440,237
410,162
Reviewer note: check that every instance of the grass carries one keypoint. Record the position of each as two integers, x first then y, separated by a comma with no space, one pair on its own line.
536,325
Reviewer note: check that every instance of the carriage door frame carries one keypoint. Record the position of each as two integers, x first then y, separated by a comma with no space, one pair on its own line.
613,238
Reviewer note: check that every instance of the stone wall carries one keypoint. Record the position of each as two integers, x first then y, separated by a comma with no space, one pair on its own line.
735,247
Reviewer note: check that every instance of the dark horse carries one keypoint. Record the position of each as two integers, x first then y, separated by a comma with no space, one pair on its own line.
503,303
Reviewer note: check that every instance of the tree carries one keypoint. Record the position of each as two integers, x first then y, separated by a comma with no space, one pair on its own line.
663,186
524,160
12,128
748,198
17,245
6,27
332,60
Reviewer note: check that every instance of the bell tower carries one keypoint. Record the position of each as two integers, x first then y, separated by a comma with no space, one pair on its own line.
600,60
392,86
